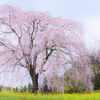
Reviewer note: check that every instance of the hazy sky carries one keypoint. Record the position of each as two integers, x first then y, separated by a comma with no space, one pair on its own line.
84,11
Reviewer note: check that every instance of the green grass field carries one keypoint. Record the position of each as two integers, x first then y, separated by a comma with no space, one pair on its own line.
33,96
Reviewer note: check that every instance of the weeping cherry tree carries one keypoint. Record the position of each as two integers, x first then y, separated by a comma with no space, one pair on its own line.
42,45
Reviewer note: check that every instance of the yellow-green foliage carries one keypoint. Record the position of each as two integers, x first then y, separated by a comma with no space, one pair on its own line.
80,89
31,96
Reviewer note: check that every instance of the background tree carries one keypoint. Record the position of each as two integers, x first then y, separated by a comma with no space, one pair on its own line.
30,87
42,45
95,61
1,87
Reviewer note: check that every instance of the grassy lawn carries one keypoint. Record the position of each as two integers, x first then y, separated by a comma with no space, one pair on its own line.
30,96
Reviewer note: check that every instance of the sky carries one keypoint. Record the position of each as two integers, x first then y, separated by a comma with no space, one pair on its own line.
84,11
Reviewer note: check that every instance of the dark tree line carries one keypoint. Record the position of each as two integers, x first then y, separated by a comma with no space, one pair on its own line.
95,61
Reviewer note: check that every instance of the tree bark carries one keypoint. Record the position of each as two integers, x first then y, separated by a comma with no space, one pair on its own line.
35,83
34,78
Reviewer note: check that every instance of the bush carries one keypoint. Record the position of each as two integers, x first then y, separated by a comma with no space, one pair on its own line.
72,89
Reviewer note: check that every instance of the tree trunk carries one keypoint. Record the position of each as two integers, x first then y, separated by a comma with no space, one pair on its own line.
35,83
34,78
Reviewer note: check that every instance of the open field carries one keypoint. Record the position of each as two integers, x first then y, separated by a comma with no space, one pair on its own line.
30,96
